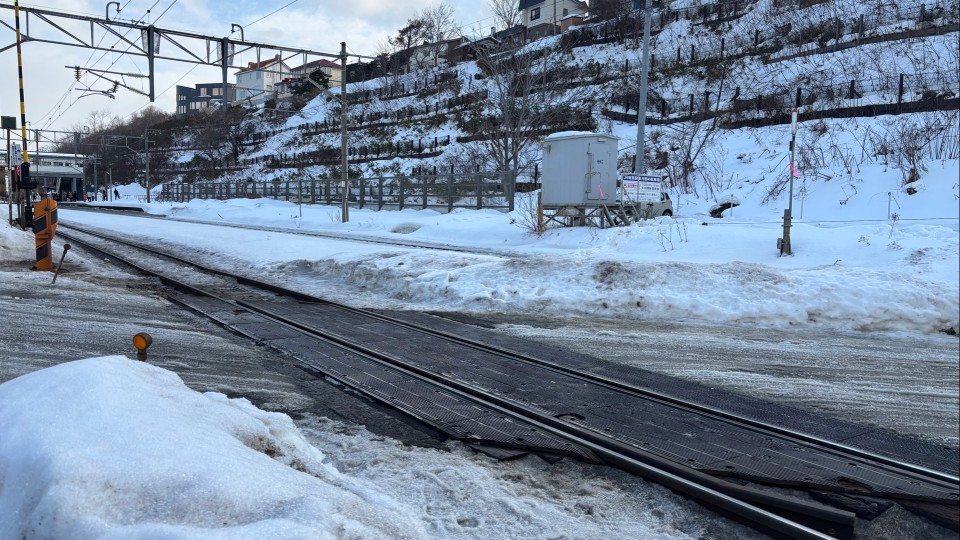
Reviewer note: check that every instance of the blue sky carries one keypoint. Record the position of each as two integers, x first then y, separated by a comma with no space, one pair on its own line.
318,25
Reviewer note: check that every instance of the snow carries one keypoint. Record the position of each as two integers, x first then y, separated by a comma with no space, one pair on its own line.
126,450
203,463
113,448
852,268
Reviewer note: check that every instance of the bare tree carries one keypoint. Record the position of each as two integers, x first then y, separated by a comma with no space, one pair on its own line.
440,24
505,12
219,134
440,27
388,66
688,140
528,96
96,121
615,12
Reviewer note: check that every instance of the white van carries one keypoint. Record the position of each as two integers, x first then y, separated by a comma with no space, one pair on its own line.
644,194
651,209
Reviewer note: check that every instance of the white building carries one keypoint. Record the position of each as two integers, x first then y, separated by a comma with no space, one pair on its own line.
60,172
542,17
258,81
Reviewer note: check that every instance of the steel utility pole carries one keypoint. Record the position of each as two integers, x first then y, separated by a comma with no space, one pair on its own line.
146,161
344,163
26,183
638,166
8,169
788,213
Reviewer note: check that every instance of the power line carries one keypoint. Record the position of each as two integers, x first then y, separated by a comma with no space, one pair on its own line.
269,14
74,83
89,66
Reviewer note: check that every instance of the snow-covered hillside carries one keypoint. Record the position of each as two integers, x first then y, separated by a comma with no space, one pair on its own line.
767,55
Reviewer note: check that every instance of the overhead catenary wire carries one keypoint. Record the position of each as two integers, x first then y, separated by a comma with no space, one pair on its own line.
271,13
138,109
74,83
89,66
58,110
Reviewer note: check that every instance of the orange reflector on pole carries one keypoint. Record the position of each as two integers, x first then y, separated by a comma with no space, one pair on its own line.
44,227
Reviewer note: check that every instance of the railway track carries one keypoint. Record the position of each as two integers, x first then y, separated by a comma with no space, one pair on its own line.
489,394
339,235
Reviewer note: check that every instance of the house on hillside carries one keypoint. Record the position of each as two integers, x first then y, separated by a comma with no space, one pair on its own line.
574,19
258,81
329,68
511,38
194,100
300,73
543,17
431,55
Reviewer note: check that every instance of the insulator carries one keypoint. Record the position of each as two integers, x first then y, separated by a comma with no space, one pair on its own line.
76,71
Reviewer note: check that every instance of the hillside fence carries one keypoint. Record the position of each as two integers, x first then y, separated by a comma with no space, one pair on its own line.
890,94
443,192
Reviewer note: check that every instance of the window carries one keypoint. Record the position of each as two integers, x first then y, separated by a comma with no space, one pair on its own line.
218,91
566,12
181,97
203,91
534,14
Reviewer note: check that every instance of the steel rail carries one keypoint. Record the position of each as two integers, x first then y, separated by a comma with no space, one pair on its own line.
766,511
837,523
878,460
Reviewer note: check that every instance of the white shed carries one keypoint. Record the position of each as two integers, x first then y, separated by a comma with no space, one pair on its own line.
579,169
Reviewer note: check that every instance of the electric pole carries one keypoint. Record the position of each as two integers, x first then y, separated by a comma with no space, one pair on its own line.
344,163
788,213
638,166
146,161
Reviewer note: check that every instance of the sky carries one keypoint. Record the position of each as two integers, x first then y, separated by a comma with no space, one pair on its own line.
53,100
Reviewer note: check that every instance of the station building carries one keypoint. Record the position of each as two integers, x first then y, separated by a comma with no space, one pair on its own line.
62,173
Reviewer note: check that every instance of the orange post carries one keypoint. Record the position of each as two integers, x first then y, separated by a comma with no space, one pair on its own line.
44,227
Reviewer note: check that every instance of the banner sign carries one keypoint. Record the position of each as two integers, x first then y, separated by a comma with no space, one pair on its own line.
641,187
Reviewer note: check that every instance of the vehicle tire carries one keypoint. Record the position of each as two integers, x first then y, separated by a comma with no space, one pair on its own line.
667,213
